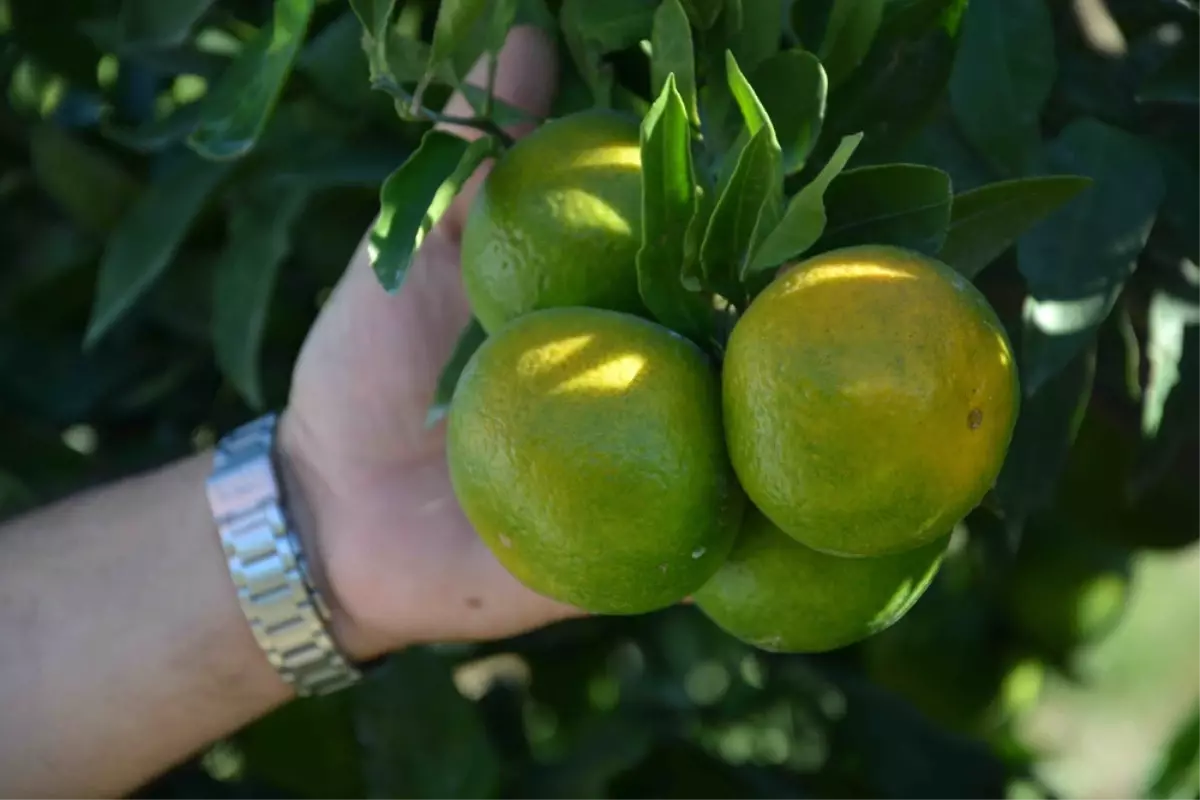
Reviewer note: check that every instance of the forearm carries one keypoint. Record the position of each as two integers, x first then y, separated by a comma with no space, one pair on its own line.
123,649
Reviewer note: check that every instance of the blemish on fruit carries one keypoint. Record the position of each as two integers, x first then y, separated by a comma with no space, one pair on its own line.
474,602
699,552
504,540
975,418
662,568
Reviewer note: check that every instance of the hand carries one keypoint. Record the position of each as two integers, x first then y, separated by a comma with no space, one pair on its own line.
399,559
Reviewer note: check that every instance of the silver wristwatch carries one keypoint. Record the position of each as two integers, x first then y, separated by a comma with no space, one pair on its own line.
266,560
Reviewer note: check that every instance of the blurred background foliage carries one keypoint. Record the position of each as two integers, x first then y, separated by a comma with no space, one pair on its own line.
182,182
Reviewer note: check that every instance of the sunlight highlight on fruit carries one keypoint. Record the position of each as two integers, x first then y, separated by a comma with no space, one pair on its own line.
546,357
613,376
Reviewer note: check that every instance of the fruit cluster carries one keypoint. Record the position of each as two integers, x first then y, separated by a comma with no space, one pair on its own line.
799,480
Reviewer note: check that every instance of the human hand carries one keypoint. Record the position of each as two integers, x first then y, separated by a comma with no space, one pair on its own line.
398,558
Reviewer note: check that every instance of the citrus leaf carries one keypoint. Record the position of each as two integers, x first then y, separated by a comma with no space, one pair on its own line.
1168,323
454,22
905,205
234,113
753,112
260,223
92,189
671,54
754,29
1176,774
1077,260
792,87
415,196
468,342
145,241
668,207
1175,82
157,22
1001,79
703,13
804,219
985,222
849,32
729,238
1046,426
375,15
612,25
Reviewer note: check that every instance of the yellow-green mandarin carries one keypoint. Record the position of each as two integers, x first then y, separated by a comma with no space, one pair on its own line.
558,222
585,447
779,595
870,396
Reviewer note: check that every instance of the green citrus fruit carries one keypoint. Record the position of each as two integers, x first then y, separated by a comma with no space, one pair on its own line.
558,222
870,395
585,447
778,594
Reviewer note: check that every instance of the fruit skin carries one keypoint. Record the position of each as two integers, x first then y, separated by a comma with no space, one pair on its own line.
779,595
558,222
585,447
870,395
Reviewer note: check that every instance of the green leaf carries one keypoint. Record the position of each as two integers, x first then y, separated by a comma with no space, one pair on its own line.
416,195
987,221
754,30
671,54
1169,319
804,220
1176,775
260,223
1176,82
236,111
144,243
792,87
940,144
158,23
668,207
375,15
1046,426
612,25
455,21
93,190
1077,260
306,748
468,342
703,13
905,205
730,238
420,737
848,36
1002,77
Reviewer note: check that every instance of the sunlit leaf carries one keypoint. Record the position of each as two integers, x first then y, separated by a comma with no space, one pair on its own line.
848,36
146,239
1077,260
905,205
260,223
1002,77
671,54
236,110
804,220
986,221
1168,323
668,207
416,195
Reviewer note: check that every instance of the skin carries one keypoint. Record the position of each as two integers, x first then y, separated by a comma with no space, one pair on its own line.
125,651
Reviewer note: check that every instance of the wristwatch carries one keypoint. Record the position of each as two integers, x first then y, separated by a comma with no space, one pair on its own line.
266,559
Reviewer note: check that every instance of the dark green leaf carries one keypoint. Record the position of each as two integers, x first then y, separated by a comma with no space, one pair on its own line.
905,205
848,36
755,32
1077,260
1176,775
158,23
941,145
804,220
334,60
612,25
235,112
93,190
144,243
307,747
668,207
375,15
1046,426
703,13
45,29
671,54
1002,78
914,18
420,737
416,195
792,88
468,342
157,134
1178,80
734,228
987,221
260,224
455,20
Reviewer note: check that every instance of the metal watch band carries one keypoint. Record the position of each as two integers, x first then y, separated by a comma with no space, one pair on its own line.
285,609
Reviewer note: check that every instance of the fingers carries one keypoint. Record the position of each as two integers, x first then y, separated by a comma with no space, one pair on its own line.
526,77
